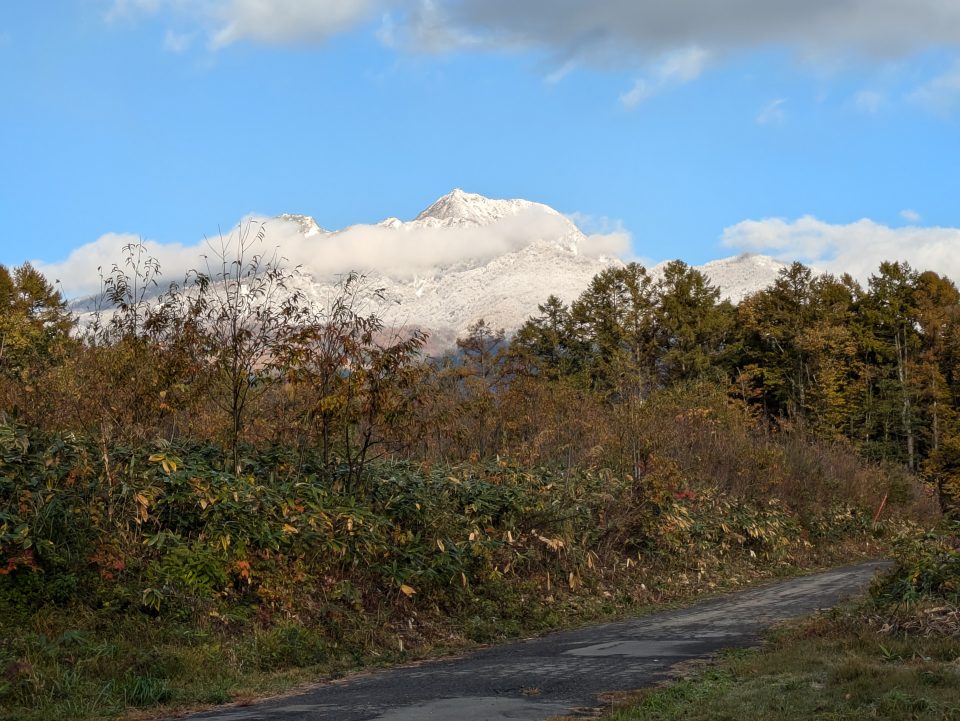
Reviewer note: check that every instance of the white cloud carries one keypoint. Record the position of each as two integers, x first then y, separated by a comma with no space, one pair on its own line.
269,22
911,216
773,113
402,252
869,101
941,94
676,68
278,22
605,236
856,248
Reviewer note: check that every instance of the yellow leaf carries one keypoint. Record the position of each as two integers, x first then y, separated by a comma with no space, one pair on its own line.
349,523
287,528
463,577
407,590
440,545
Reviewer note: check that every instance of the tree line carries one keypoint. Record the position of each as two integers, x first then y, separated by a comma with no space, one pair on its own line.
238,354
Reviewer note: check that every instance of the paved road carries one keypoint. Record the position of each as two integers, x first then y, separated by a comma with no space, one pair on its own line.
564,672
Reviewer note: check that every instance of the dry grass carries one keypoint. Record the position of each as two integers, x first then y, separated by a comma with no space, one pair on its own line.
834,668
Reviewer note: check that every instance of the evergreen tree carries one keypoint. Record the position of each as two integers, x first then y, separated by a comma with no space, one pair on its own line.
772,322
691,326
545,345
613,324
34,321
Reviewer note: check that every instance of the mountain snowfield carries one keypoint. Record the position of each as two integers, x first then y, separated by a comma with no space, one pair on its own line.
468,257
553,257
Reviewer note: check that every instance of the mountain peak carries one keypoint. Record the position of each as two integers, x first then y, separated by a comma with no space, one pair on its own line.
307,225
459,207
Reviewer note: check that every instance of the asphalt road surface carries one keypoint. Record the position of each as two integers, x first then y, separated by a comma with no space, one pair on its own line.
562,673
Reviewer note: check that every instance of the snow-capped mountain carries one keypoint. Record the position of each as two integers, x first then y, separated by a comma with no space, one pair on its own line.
468,257
543,253
524,251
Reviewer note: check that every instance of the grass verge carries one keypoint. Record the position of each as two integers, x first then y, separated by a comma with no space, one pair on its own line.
841,666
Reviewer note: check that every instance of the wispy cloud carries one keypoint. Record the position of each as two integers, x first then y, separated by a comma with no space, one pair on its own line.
911,216
773,113
676,68
559,73
941,95
856,248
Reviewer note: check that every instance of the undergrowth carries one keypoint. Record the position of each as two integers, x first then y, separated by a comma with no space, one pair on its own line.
135,578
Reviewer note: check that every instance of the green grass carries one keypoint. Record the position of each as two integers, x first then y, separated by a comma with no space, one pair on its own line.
829,669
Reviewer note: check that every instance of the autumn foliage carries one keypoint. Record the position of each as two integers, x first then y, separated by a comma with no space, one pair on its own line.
227,447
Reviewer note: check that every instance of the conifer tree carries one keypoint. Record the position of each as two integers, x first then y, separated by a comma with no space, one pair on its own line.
691,326
34,321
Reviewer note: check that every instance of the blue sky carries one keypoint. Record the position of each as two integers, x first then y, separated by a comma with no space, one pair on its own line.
168,119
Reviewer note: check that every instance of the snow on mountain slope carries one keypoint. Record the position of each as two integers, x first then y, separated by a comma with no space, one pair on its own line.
468,257
742,275
459,208
739,276
546,254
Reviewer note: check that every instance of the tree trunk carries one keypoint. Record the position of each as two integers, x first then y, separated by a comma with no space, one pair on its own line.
905,412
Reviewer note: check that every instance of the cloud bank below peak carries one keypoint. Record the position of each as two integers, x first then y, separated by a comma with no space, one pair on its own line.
857,248
399,250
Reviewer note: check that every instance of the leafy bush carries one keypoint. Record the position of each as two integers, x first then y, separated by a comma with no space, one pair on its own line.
928,567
